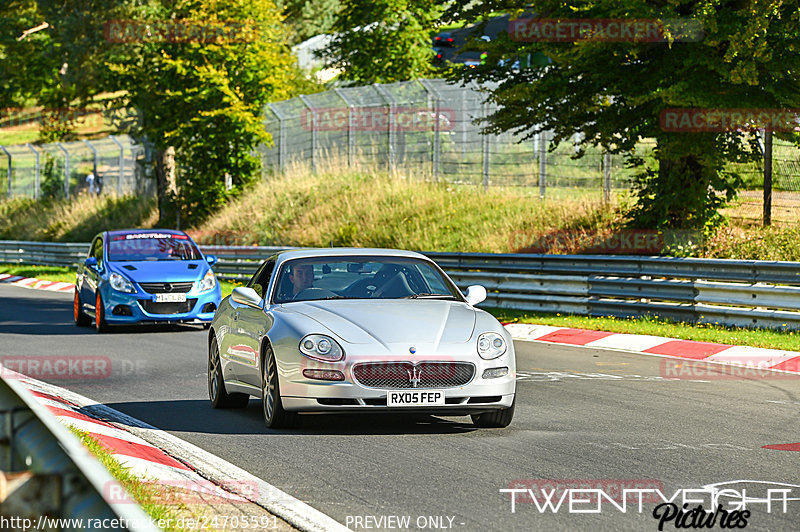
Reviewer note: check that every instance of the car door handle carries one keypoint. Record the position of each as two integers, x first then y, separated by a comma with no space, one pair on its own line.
236,315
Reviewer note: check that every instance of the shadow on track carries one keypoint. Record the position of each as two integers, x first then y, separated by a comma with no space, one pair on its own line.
198,416
51,316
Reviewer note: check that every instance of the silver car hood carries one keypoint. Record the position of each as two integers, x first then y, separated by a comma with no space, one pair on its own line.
424,321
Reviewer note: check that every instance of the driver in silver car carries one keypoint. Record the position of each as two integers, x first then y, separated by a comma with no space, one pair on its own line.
301,277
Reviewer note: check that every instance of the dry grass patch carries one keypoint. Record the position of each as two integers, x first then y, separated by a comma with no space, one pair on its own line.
371,209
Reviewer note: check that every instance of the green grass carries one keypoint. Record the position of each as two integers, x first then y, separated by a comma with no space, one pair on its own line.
368,209
48,273
767,338
147,494
77,219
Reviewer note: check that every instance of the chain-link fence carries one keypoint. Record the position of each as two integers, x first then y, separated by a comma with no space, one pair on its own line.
432,130
428,128
119,166
749,204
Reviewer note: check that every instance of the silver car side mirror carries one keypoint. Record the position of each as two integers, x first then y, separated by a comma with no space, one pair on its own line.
475,294
246,296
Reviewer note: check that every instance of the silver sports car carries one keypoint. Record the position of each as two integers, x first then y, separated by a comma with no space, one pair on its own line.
359,330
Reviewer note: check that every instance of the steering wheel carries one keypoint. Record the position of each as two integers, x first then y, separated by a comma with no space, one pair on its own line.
314,293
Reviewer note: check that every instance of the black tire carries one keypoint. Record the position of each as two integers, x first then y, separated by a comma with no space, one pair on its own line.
219,396
81,319
99,315
498,419
274,415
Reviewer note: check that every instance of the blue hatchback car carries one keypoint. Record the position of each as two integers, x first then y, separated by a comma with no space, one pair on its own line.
145,276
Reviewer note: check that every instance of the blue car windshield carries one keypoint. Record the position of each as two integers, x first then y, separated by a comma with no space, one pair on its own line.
151,246
361,277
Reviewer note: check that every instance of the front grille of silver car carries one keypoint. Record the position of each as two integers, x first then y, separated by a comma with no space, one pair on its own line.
401,375
166,288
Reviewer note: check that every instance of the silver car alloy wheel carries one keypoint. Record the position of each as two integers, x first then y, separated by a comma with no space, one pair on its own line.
268,394
213,370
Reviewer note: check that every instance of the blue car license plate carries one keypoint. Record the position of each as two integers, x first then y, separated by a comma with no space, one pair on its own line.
169,298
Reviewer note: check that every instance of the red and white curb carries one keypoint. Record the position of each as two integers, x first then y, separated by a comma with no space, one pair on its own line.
154,455
37,284
733,355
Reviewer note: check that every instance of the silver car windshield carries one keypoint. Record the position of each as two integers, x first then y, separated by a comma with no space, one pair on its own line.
373,277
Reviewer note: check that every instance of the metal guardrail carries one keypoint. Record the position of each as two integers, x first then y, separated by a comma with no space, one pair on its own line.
744,293
64,483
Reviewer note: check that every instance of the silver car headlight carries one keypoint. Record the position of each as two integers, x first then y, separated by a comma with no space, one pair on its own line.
321,347
121,284
208,282
491,345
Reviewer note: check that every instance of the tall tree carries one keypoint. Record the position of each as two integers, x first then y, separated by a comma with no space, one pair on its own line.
383,41
52,57
308,18
204,97
614,92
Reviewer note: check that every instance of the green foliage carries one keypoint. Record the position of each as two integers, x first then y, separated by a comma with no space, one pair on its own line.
51,185
59,67
206,98
383,41
613,92
308,18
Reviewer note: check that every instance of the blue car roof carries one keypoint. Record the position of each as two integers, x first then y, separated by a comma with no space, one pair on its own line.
135,231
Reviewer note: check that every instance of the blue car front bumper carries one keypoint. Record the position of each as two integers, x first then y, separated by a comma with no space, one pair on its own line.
124,308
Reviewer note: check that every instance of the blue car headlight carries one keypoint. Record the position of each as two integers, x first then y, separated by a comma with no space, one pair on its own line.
491,345
321,347
208,282
121,284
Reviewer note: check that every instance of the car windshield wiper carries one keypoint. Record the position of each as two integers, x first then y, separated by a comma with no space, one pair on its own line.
431,296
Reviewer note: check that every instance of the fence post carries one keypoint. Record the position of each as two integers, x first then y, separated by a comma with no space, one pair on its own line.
94,162
121,163
767,178
437,127
485,146
66,168
606,177
281,137
542,163
9,168
35,172
314,128
351,141
390,124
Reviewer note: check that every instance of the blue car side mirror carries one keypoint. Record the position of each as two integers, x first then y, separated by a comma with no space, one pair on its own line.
212,259
90,262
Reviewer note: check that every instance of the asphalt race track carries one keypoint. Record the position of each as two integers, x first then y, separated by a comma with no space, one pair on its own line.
584,418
